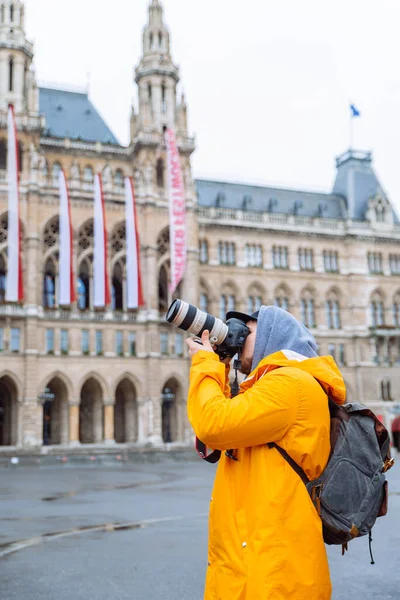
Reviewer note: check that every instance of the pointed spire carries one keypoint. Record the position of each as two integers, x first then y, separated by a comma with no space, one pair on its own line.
155,14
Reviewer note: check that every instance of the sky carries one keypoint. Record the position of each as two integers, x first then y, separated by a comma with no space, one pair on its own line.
268,83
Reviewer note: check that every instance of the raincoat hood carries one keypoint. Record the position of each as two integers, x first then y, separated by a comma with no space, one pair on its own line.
322,368
279,330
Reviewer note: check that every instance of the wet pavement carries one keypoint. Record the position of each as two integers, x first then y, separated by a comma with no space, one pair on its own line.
108,529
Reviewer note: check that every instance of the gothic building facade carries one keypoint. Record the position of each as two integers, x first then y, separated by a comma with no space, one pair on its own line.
81,376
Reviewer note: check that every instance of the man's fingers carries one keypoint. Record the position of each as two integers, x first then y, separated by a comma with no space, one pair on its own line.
205,336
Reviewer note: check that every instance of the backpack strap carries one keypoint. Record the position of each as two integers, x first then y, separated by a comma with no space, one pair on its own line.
285,455
291,462
202,451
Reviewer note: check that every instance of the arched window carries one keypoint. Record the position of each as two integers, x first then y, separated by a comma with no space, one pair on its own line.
117,300
149,92
396,309
55,174
203,251
281,300
226,253
377,310
3,155
160,173
11,74
163,243
83,285
119,179
307,310
332,309
20,156
49,285
163,289
163,99
11,13
203,305
88,178
3,279
254,303
151,40
386,392
160,39
231,302
223,307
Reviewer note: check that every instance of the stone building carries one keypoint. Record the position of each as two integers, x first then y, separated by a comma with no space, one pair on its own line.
82,376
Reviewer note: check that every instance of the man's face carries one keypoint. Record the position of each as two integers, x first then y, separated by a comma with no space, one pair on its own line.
248,348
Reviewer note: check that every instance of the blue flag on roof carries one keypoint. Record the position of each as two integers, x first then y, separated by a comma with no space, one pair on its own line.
354,111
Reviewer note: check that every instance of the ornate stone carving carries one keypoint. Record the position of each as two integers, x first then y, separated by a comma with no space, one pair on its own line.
86,237
118,240
51,234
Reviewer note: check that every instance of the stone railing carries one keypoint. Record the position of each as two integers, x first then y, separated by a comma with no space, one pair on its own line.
263,220
88,316
24,122
12,310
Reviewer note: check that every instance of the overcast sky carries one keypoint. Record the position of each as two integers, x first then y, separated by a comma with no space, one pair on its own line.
268,82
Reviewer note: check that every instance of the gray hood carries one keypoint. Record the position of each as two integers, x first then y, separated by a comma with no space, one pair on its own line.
279,330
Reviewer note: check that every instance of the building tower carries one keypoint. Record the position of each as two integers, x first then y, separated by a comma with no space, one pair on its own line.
157,78
17,78
156,74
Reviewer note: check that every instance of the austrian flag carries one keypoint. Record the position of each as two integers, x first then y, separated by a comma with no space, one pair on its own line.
14,286
67,288
133,275
101,284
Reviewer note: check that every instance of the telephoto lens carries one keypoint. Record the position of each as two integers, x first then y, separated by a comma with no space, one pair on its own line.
192,319
228,337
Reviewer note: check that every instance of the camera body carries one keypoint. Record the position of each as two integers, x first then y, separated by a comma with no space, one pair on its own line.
235,339
229,337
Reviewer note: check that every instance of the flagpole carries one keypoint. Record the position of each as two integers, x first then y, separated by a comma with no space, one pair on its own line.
351,132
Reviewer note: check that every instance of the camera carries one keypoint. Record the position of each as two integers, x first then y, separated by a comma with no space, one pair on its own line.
229,337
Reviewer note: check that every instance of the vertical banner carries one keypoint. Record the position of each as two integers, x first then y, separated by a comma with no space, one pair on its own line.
14,285
66,274
101,283
134,295
177,212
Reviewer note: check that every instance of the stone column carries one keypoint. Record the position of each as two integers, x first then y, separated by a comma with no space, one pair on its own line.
151,278
190,287
142,424
109,421
73,406
155,420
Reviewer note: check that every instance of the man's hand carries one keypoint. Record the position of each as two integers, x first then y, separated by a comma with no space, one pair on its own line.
195,347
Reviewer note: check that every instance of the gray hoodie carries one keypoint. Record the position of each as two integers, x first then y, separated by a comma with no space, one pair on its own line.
279,330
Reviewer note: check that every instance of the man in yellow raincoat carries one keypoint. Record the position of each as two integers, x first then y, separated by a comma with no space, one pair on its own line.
265,536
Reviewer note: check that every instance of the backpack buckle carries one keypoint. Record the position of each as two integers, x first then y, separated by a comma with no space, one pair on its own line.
389,462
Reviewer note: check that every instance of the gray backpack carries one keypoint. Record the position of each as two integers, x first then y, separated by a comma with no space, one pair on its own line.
352,491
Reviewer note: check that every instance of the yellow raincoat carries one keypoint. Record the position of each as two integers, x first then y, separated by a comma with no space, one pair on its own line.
265,536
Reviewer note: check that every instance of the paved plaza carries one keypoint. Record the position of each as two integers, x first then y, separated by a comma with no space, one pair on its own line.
105,529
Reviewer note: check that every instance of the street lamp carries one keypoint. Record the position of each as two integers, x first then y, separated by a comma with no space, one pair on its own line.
168,398
45,399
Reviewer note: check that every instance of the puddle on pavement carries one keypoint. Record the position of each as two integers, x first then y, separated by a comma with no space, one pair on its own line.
12,547
163,479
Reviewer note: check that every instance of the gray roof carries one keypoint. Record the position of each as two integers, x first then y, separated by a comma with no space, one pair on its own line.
275,200
72,115
357,182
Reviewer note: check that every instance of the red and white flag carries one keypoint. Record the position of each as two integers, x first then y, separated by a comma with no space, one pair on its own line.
101,283
66,275
15,285
177,211
133,275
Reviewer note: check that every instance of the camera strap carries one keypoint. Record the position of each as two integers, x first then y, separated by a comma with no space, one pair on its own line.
201,448
202,451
